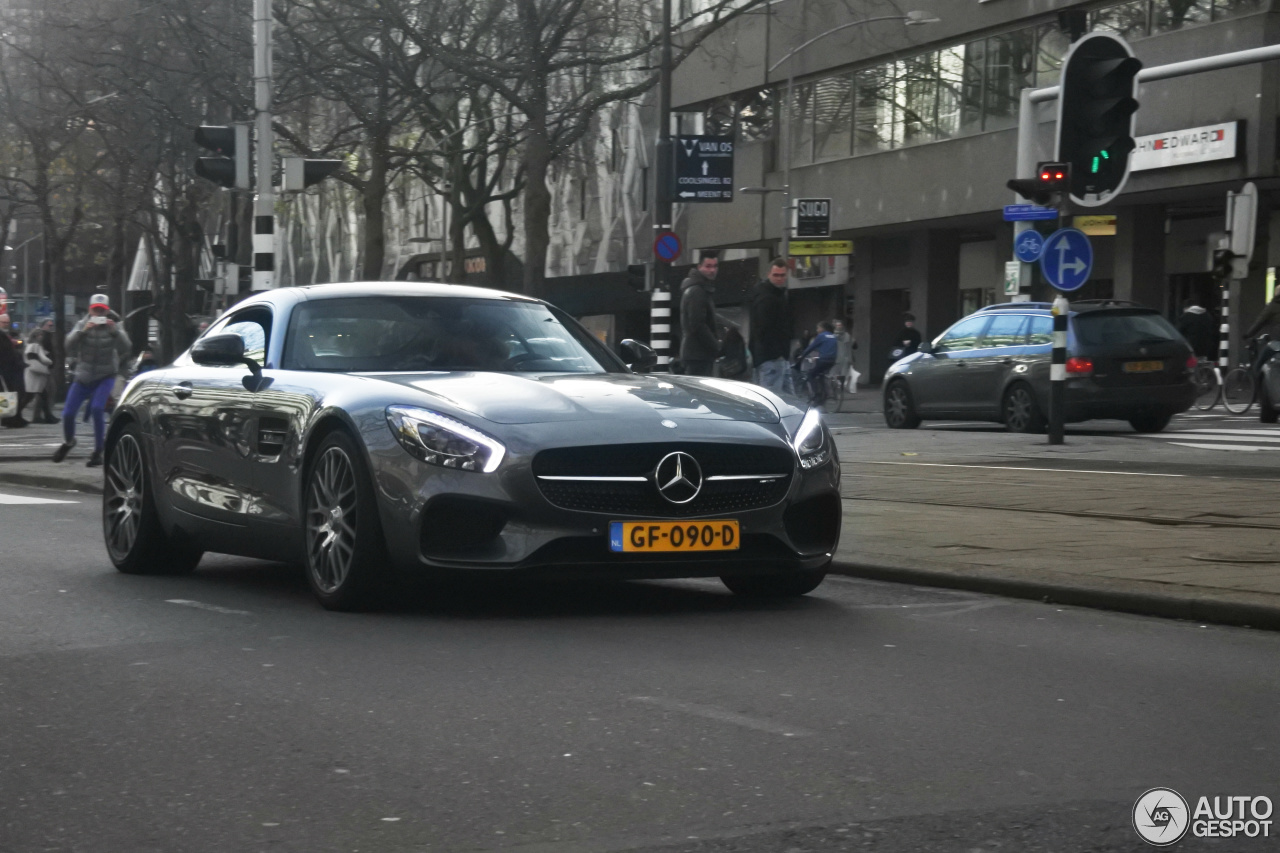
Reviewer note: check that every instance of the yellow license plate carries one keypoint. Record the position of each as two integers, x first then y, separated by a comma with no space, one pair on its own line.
1143,366
665,536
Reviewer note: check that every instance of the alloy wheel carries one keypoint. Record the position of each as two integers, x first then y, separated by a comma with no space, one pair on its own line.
331,519
897,405
1019,410
124,487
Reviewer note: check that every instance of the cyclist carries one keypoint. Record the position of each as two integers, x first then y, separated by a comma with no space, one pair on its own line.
1268,321
816,360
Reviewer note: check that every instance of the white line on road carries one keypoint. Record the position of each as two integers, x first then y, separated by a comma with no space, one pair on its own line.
723,716
1239,448
1015,468
21,499
1275,433
200,605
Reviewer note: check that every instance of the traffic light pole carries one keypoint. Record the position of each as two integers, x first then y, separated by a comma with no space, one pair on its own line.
264,202
660,320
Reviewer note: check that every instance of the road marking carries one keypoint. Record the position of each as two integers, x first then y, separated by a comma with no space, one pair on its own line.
1271,432
723,716
1016,468
200,605
21,499
1239,448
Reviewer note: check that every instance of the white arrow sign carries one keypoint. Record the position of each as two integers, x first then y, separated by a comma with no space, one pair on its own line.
1075,266
688,195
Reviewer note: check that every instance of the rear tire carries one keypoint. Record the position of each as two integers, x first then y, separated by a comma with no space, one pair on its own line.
346,554
1237,391
899,410
1207,388
1021,411
789,585
1150,423
135,540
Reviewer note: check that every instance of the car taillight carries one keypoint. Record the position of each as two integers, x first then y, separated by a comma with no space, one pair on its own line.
1192,362
1079,366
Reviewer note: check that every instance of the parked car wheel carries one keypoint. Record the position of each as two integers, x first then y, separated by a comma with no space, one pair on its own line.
899,410
1021,411
790,585
136,542
1150,423
346,555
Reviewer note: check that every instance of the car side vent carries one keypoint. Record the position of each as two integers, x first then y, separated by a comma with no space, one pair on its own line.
272,435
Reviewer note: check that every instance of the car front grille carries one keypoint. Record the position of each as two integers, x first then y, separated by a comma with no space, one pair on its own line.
767,473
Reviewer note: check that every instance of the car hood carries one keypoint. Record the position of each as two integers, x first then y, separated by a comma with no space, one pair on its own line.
530,398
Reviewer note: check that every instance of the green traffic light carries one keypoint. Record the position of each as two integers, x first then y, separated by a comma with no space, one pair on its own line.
1094,168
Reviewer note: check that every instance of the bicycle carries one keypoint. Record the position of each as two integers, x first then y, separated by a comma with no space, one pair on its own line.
835,392
1240,385
1208,381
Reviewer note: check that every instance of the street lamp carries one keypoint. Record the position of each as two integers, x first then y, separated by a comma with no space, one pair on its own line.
910,19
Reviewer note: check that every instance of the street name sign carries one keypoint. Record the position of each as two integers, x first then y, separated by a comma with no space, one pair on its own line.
704,169
1028,212
1067,259
813,217
666,246
821,247
1028,246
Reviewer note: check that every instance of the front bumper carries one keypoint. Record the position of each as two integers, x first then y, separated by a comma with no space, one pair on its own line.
440,521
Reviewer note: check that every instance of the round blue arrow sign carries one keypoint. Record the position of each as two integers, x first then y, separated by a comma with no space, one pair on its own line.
1067,259
1028,245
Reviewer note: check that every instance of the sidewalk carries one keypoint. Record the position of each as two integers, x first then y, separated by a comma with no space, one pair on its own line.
1136,544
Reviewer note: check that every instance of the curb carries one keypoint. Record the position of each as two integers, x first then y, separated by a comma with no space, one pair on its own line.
49,481
1165,605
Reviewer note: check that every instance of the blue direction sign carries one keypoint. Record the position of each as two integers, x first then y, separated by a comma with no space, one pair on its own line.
1028,246
1024,212
1067,259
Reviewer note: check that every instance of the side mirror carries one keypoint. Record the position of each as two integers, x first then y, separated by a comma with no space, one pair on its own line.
638,356
925,347
219,351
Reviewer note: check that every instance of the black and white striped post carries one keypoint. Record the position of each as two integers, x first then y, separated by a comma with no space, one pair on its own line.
1058,371
264,202
1224,330
660,326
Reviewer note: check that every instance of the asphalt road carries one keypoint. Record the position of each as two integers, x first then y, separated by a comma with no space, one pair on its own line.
225,711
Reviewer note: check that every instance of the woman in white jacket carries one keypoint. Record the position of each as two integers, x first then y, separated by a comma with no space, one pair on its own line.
39,363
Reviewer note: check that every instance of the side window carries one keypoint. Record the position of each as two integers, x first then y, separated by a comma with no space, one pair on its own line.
1041,331
1006,330
253,327
962,336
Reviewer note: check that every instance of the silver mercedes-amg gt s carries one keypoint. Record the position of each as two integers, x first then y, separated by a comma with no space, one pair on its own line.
388,429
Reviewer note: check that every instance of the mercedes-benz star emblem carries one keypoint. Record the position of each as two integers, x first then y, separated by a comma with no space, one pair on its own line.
678,477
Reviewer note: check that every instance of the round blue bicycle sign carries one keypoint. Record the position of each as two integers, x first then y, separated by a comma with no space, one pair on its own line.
1028,245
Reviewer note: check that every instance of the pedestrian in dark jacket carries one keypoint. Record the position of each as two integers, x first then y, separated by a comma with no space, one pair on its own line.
699,344
1197,326
771,330
908,338
99,346
11,372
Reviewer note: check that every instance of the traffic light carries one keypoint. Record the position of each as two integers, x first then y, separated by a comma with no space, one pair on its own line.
300,173
1222,266
1051,179
1096,103
230,168
638,276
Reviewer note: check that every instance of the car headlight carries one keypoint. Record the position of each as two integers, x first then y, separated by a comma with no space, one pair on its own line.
811,443
440,440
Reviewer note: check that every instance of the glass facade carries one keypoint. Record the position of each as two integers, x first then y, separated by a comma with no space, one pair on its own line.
963,89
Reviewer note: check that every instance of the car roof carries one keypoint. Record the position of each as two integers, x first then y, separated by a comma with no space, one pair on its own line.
405,288
1078,307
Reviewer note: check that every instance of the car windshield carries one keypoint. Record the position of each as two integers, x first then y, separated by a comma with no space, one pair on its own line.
424,333
1111,328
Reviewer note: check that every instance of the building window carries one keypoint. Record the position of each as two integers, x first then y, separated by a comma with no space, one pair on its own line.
832,117
801,125
1128,20
1010,69
919,76
873,110
755,116
1176,14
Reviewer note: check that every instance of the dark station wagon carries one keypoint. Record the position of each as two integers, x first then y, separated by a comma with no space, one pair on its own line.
1123,361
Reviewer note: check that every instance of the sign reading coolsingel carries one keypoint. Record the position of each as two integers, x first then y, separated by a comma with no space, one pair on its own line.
1183,147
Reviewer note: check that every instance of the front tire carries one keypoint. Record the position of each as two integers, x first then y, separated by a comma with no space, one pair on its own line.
899,409
1237,391
346,554
135,539
1021,411
789,585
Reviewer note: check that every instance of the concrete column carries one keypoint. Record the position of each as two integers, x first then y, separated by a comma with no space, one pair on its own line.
1139,256
860,288
937,297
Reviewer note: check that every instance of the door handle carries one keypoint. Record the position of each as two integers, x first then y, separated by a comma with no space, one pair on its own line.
183,390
